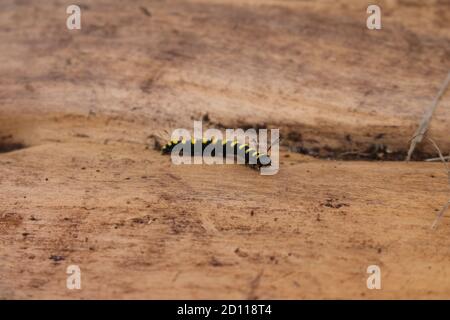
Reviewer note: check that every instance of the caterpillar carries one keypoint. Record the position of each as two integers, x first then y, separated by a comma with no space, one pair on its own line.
250,156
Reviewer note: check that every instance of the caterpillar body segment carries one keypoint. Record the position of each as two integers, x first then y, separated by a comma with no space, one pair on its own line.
223,148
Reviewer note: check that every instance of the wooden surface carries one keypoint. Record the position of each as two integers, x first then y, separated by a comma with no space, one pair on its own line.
89,187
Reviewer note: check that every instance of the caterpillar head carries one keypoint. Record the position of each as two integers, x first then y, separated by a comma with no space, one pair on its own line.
264,160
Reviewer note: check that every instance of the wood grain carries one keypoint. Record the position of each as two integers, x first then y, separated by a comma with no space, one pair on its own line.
89,189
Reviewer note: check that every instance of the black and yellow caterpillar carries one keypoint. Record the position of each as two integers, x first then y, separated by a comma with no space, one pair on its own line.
233,148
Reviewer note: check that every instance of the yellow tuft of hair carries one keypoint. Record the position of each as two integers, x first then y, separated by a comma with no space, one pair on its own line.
242,146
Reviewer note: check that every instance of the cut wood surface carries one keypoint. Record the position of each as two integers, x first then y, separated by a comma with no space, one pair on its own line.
84,185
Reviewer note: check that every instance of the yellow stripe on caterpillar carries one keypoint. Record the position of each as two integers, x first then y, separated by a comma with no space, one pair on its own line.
249,149
242,146
234,143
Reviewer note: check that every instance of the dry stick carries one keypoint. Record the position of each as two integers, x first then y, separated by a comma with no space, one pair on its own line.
442,158
440,214
437,159
447,205
423,127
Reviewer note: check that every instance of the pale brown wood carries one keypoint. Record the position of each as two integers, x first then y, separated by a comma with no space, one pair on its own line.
89,188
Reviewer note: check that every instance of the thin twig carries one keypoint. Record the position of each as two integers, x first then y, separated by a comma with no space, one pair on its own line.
446,206
440,214
441,156
423,127
437,159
